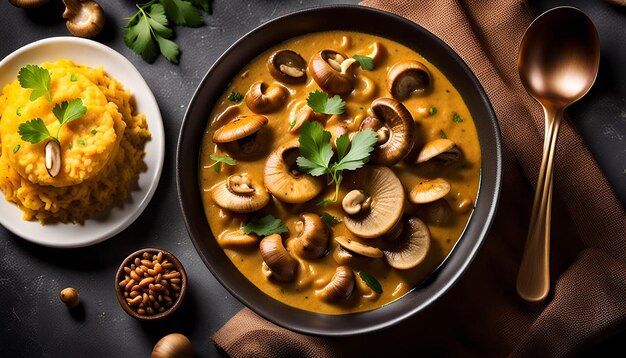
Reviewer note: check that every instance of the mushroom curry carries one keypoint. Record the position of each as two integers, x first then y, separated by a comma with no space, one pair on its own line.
338,170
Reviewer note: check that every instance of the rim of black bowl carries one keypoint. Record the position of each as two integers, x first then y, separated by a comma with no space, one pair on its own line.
318,19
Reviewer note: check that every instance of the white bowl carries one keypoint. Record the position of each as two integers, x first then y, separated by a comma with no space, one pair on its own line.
119,216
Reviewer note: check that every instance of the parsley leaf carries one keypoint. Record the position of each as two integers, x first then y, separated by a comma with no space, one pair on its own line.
432,111
235,97
33,131
69,111
315,149
371,281
204,4
324,202
16,148
342,143
73,77
456,118
182,13
93,131
367,63
226,159
321,103
265,226
330,220
81,142
442,134
18,111
147,34
362,145
37,79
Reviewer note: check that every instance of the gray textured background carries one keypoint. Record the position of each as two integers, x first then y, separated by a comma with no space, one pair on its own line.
33,323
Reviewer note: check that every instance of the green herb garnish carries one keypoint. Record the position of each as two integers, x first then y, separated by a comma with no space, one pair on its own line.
235,97
93,131
35,130
367,63
371,282
292,124
18,111
70,146
432,111
226,159
330,220
265,226
73,78
37,79
442,134
361,108
16,148
321,103
81,142
456,118
317,152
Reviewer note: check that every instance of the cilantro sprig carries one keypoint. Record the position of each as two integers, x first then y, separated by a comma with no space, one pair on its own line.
330,219
371,281
366,62
317,152
37,79
219,159
321,103
265,226
149,32
35,130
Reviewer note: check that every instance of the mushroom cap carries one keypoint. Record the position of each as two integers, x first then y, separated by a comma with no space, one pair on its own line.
263,98
411,248
236,239
406,77
240,194
443,149
238,128
28,4
277,258
358,248
283,179
287,66
387,201
330,79
312,240
340,286
429,191
84,18
397,122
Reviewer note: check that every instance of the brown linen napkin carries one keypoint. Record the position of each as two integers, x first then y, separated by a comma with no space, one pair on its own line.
482,314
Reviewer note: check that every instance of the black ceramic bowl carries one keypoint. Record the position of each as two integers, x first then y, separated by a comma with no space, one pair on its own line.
350,18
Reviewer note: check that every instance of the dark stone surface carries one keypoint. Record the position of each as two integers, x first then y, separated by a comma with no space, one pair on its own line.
34,323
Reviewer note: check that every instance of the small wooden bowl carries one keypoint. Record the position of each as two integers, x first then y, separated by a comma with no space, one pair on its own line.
120,290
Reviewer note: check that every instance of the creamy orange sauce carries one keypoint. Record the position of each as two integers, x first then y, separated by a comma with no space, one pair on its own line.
312,275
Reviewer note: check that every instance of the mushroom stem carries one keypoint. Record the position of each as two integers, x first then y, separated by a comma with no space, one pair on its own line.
356,201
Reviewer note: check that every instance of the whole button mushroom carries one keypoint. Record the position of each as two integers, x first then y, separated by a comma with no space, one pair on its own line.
283,179
411,248
394,127
240,194
429,191
262,98
313,236
287,66
406,77
277,262
332,71
173,345
85,18
442,150
374,202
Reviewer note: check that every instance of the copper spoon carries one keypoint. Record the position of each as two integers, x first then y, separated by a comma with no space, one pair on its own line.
558,63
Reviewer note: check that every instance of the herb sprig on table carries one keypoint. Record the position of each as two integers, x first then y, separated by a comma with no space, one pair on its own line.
149,31
316,153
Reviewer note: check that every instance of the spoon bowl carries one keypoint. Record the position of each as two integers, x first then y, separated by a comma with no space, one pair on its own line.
558,63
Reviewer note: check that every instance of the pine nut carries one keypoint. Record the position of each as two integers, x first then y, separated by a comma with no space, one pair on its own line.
129,285
146,281
135,301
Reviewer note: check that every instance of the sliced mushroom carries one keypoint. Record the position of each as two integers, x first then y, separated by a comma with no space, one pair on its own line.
406,77
411,248
376,200
262,98
313,236
283,178
394,127
301,113
359,248
240,194
340,286
28,4
429,191
85,18
52,155
239,136
277,259
237,239
287,66
332,71
442,150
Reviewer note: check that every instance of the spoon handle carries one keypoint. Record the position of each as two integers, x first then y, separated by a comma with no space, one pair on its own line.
533,279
